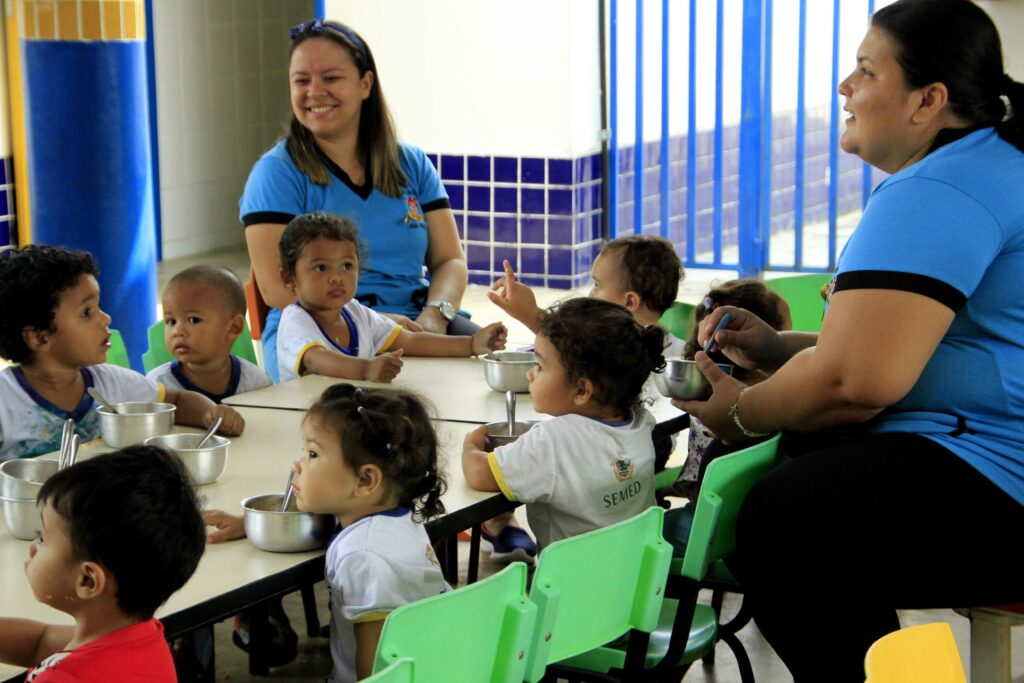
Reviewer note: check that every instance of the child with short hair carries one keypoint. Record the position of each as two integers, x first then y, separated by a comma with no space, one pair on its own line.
703,446
204,313
54,327
370,459
592,464
121,533
327,331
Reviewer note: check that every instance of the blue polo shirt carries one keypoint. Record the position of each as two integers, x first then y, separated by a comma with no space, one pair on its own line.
951,227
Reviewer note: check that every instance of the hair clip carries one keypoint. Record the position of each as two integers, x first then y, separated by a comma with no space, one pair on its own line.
359,410
1007,108
319,27
708,304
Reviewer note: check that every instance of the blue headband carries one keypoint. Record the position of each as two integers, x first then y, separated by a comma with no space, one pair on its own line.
317,27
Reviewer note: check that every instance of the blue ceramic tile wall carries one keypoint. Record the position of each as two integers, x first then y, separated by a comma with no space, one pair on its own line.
545,215
8,225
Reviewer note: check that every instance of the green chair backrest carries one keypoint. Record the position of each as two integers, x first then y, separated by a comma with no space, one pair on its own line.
157,354
592,588
118,354
477,633
726,483
678,319
402,671
803,294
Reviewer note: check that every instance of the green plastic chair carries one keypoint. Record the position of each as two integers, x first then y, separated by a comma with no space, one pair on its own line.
803,294
402,671
118,354
477,633
594,588
687,631
157,354
678,319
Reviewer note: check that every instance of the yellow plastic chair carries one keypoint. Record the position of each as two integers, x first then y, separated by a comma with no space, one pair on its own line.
918,654
803,293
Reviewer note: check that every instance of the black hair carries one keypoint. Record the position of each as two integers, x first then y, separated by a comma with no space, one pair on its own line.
307,227
752,295
134,512
649,266
391,429
223,280
377,138
954,42
602,342
32,281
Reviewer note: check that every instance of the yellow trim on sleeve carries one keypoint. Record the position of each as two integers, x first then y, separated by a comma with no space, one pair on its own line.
372,616
302,353
391,338
162,394
499,478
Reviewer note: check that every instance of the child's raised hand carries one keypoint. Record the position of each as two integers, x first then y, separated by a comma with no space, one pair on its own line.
490,338
234,423
228,527
515,298
384,367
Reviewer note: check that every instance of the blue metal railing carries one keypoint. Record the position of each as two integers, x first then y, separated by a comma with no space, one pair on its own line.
755,220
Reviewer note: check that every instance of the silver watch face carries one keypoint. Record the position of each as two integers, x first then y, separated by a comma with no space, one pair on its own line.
447,310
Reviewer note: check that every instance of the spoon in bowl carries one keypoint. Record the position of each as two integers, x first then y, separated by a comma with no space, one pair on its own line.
102,401
289,492
65,443
213,430
510,411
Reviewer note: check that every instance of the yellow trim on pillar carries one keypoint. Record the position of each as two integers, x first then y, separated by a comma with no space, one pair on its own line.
19,146
84,19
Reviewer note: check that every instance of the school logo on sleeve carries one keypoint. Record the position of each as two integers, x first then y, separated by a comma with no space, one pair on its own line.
412,210
431,557
623,468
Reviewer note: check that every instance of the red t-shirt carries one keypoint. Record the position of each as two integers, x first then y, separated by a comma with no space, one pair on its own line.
127,655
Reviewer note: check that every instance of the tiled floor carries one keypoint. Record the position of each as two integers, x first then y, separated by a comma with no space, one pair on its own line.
313,662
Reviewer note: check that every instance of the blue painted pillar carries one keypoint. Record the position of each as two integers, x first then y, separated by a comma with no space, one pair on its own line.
751,257
90,169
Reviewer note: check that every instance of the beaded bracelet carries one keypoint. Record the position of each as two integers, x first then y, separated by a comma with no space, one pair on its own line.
734,413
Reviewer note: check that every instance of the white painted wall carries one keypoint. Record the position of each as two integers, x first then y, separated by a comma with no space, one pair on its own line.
1008,16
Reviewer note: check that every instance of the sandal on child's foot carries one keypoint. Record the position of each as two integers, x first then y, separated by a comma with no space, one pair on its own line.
512,544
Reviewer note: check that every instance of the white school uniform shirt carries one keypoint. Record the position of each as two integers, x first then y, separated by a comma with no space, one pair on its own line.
245,376
370,333
577,474
373,566
30,425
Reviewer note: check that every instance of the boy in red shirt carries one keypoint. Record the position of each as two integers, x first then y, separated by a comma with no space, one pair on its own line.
120,533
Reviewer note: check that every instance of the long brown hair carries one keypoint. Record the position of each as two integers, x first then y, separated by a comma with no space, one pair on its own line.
377,139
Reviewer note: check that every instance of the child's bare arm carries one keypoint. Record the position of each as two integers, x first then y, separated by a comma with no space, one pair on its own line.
475,467
382,368
228,526
490,338
367,636
516,299
196,410
26,643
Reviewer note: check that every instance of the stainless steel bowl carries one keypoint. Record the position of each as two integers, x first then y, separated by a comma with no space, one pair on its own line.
135,422
284,532
683,380
23,478
497,433
21,516
204,465
506,370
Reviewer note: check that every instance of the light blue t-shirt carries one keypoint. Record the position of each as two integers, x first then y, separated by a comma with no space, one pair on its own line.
951,227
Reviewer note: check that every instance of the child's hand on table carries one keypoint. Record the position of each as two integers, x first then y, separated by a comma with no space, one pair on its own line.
490,338
476,440
384,367
228,526
234,423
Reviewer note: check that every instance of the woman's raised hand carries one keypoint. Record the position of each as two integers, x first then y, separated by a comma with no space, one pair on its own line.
748,341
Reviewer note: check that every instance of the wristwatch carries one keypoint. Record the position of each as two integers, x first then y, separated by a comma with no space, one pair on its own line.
447,310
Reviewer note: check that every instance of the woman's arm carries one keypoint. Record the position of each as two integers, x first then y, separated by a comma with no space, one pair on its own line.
447,265
26,643
873,346
262,240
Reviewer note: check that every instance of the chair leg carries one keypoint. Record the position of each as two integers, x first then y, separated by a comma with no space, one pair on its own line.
309,608
990,647
742,660
474,555
717,597
259,639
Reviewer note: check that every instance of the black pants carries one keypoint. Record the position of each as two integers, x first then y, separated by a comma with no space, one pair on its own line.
830,544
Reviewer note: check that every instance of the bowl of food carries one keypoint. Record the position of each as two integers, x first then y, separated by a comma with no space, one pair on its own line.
21,516
506,370
284,532
133,423
204,465
24,477
497,433
682,379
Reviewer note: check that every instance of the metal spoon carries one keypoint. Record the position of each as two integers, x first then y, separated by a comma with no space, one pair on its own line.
510,411
65,443
213,429
102,401
288,492
76,442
